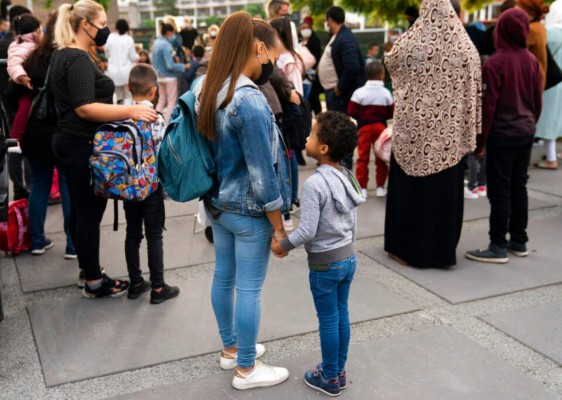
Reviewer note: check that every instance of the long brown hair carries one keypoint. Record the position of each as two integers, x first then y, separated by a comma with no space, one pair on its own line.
230,53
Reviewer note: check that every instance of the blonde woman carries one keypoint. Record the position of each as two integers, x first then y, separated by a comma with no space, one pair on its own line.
84,98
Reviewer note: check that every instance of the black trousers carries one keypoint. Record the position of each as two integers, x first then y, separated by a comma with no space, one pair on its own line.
20,174
150,212
507,192
73,153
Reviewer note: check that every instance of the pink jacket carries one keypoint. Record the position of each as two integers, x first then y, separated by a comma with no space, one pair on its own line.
19,52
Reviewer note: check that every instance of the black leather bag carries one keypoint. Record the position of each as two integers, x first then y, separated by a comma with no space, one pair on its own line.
41,124
43,107
553,72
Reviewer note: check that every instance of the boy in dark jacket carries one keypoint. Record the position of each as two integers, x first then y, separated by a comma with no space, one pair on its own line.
511,107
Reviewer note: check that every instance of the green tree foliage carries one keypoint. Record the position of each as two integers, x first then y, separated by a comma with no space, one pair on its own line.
255,9
317,7
104,3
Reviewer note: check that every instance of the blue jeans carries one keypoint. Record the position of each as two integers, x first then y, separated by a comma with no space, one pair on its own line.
242,254
41,181
330,290
294,175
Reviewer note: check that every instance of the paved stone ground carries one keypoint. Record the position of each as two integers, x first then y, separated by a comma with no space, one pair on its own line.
500,346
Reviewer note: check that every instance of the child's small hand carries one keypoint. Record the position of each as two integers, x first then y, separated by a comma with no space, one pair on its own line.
277,249
26,81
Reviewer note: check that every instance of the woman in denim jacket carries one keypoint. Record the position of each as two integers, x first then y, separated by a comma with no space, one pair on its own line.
252,189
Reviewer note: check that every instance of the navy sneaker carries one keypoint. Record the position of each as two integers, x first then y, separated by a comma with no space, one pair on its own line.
342,377
47,244
70,253
518,249
315,379
493,254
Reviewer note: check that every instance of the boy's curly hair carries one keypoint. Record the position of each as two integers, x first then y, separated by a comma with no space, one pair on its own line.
338,132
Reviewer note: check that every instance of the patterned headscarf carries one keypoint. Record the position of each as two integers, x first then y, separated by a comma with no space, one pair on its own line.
435,70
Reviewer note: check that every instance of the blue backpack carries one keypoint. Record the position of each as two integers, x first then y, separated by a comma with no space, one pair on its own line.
185,166
123,161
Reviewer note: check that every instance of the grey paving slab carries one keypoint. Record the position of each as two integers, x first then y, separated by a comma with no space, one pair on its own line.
545,181
469,280
181,248
123,334
54,222
439,363
540,328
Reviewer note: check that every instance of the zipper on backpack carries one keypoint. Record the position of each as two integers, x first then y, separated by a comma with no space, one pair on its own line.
118,155
176,156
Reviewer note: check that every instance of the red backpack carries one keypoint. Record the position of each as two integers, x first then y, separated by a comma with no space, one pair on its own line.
14,234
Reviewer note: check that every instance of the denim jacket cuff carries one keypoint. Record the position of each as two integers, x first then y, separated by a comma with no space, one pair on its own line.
274,205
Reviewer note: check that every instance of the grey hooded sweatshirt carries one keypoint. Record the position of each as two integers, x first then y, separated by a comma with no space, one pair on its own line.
328,217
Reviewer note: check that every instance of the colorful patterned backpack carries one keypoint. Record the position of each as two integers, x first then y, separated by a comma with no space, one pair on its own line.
123,162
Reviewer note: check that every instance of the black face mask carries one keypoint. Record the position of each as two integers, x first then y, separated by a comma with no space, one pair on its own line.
101,36
266,72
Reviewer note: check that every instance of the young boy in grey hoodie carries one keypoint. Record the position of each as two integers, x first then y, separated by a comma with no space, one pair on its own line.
327,229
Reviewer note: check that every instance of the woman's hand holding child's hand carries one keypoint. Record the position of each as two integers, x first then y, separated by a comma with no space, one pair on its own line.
276,247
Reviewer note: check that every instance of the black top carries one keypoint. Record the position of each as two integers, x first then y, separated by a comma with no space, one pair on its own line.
4,44
75,80
188,37
315,47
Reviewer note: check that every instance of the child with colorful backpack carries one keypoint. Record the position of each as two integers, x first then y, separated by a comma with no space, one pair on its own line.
143,87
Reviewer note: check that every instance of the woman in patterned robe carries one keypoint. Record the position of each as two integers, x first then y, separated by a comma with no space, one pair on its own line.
436,74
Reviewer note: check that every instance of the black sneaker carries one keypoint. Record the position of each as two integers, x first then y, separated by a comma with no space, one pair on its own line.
137,289
109,288
167,293
518,249
315,379
493,254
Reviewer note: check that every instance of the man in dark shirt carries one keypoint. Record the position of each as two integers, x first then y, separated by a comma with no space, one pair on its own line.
17,166
188,34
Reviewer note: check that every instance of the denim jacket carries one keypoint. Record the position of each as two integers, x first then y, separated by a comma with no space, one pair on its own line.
163,59
253,170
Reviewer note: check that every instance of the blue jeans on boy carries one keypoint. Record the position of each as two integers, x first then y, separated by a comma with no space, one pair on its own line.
241,254
330,290
41,181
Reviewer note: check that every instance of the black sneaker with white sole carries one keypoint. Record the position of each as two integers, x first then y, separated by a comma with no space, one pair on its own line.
47,244
493,254
109,288
518,249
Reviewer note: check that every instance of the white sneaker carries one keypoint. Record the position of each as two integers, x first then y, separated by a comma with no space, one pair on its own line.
231,363
469,194
262,376
482,191
288,225
381,192
364,193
